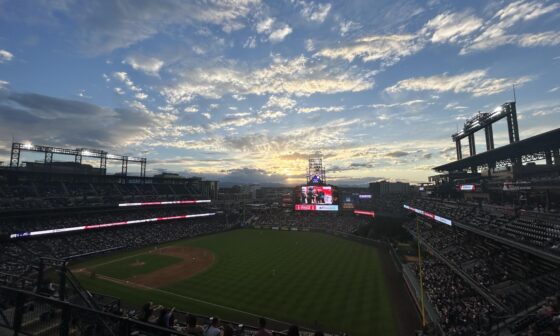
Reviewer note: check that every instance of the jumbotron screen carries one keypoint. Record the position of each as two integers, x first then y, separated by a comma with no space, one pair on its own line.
316,198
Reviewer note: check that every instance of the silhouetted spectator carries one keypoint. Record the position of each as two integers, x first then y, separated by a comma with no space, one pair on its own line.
293,331
262,328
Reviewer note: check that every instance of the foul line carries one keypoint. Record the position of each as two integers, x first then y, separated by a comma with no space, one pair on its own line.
133,284
119,259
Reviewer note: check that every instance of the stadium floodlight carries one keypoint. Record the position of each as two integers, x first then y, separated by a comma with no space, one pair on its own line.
112,156
86,153
27,145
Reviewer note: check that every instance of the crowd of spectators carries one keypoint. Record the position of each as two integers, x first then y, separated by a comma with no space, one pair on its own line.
462,311
341,222
59,194
532,228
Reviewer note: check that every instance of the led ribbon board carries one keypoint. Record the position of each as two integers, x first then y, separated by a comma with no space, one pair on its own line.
316,207
99,226
363,212
429,215
163,203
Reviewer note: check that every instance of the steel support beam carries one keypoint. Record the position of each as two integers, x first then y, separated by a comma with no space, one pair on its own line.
548,157
556,155
143,168
124,168
472,145
14,157
459,149
488,132
48,155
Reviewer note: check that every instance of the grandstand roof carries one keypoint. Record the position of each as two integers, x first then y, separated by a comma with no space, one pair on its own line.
533,145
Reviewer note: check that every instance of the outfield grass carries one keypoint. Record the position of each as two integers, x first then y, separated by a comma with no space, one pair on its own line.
299,277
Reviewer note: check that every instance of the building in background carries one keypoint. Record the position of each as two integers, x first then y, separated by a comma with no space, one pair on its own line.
384,187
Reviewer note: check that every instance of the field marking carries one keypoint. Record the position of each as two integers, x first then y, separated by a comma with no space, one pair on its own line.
133,284
119,259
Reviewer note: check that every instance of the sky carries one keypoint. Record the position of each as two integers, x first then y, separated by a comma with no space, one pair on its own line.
245,90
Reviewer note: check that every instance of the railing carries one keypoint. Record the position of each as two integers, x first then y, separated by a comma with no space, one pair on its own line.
27,313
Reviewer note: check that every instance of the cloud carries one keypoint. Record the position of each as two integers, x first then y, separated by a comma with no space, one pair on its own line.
4,84
148,65
281,102
498,30
5,56
118,91
387,48
124,78
191,109
475,82
251,42
550,38
107,25
320,109
298,76
294,156
265,26
141,96
451,27
278,35
396,154
312,11
347,26
64,122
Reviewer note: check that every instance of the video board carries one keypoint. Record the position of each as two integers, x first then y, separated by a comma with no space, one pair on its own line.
316,198
316,195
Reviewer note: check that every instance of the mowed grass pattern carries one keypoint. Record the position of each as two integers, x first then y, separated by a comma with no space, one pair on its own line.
128,267
311,279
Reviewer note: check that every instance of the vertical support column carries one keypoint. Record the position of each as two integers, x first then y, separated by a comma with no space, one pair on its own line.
472,145
143,168
14,157
124,168
40,275
103,163
548,157
78,158
510,129
48,155
489,137
556,155
459,149
514,122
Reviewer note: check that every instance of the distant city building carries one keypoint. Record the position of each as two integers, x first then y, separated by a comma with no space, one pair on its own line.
384,187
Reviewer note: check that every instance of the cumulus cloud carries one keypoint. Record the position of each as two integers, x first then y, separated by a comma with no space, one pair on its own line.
477,83
148,65
5,56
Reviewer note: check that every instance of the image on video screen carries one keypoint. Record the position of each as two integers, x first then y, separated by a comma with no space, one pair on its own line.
316,195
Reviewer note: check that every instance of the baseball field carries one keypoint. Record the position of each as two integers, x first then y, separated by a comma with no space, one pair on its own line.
310,279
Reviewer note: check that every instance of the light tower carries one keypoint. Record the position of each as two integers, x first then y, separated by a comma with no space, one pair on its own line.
315,170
